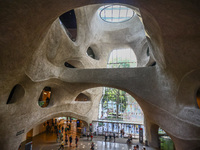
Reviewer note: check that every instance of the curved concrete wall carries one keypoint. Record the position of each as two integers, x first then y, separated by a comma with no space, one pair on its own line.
35,46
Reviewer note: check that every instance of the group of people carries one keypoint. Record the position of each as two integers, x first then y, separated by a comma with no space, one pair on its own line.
70,142
136,147
89,135
110,136
59,129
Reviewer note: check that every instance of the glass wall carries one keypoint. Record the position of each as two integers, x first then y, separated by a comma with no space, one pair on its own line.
101,127
119,105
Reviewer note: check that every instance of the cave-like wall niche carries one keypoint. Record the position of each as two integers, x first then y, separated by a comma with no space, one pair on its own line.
16,93
198,98
45,97
82,97
90,53
68,65
68,20
148,54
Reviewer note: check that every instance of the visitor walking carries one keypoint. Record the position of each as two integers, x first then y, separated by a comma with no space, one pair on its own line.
70,140
76,141
62,145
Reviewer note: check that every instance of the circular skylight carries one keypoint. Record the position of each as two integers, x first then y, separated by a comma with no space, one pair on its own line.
115,13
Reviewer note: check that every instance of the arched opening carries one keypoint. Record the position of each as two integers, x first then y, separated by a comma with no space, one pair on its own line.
165,142
53,131
16,93
119,113
82,97
45,97
68,20
198,98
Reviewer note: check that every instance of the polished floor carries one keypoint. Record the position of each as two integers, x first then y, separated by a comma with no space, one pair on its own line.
47,141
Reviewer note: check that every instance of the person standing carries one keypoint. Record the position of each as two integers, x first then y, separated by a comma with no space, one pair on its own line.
66,139
110,137
70,140
65,130
88,135
106,135
91,136
92,146
114,136
76,140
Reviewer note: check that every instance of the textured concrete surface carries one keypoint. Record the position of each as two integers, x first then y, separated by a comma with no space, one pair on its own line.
34,47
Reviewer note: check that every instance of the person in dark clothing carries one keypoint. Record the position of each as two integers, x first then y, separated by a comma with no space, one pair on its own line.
92,146
110,136
106,135
62,128
114,136
70,141
76,141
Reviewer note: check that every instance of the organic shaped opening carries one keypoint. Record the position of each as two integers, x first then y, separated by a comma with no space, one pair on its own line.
45,97
68,20
90,53
69,65
198,98
82,97
148,52
115,13
16,93
165,142
153,64
122,58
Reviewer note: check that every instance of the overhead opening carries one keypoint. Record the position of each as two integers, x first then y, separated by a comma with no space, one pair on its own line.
16,93
45,97
198,98
115,13
68,20
82,97
68,65
122,58
91,53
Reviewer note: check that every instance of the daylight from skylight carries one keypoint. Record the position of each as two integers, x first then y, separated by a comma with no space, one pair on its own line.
115,13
